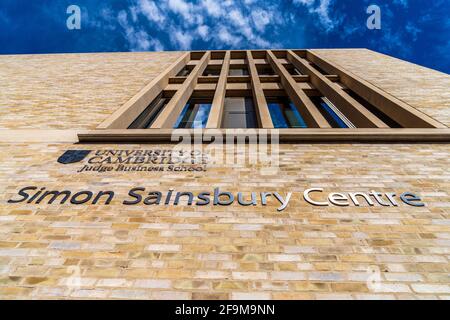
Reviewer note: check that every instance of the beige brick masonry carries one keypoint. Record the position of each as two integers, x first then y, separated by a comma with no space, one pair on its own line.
49,91
206,252
189,252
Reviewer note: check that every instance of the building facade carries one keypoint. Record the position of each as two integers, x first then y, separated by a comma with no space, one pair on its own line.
303,174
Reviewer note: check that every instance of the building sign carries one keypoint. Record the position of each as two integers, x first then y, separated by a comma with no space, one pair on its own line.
135,160
184,160
214,197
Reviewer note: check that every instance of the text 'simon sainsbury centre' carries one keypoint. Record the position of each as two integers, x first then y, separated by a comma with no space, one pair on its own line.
268,174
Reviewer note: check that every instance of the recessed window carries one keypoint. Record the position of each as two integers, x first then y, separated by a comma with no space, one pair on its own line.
332,114
238,72
212,71
217,55
284,114
315,66
239,112
292,70
238,54
195,114
185,71
148,116
377,112
265,70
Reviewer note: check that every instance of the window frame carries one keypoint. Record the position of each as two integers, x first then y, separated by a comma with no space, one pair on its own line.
299,89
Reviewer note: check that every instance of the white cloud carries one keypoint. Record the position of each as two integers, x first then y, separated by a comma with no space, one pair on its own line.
151,11
156,45
212,7
134,13
242,25
322,9
223,23
237,18
305,2
183,39
413,30
226,37
262,43
261,18
138,40
181,7
203,31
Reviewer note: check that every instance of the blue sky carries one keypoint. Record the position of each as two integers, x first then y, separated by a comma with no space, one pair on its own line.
414,30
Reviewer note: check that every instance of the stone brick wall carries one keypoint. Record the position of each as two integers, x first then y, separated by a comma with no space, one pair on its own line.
190,252
425,89
234,252
49,91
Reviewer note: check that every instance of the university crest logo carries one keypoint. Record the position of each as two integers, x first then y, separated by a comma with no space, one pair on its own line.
73,156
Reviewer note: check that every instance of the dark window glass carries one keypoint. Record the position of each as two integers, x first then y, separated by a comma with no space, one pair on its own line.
319,69
148,116
292,70
330,113
265,71
211,72
239,113
238,72
377,112
195,114
284,114
184,72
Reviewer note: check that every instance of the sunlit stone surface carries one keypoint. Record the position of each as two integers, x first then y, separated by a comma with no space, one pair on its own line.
226,252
